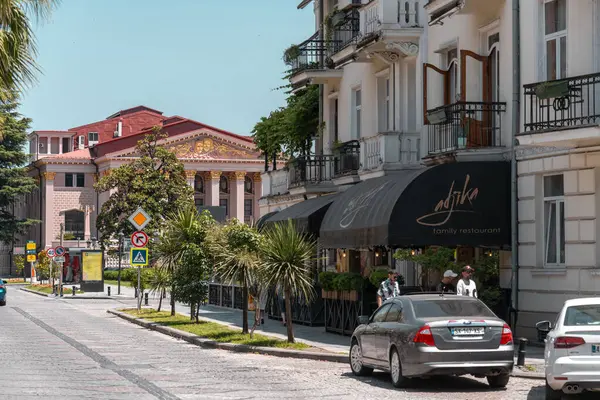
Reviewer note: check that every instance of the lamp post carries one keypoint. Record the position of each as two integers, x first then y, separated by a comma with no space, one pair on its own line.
120,257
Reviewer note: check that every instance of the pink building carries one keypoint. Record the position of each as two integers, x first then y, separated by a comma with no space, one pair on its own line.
222,167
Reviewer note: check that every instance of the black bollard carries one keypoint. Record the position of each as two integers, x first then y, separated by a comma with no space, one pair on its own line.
74,290
522,351
108,288
135,292
146,298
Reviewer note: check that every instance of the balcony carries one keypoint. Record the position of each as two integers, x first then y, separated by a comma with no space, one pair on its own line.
308,62
345,4
345,32
389,151
311,174
464,126
564,112
347,161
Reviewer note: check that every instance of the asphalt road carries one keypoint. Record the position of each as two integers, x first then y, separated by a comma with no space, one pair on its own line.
63,349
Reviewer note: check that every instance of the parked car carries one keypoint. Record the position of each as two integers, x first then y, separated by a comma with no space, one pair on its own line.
433,334
572,350
3,293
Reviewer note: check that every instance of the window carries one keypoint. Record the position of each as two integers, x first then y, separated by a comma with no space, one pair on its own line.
383,104
333,109
66,145
395,313
199,202
555,38
248,185
554,220
74,224
588,314
198,184
223,184
74,180
379,315
224,203
356,113
92,137
248,207
451,307
452,68
43,145
54,145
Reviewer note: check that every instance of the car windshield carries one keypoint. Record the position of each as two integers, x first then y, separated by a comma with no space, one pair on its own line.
588,314
451,308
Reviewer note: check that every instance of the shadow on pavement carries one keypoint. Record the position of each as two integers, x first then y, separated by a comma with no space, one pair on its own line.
539,393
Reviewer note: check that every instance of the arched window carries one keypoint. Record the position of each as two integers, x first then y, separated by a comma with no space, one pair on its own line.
248,185
74,224
224,184
199,184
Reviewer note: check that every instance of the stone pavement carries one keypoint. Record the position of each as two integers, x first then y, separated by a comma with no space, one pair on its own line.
72,349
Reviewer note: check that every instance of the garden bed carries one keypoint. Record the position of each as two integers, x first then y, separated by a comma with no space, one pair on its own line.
47,289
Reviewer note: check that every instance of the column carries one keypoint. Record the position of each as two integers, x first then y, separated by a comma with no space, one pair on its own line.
48,209
257,195
211,188
87,226
191,177
237,195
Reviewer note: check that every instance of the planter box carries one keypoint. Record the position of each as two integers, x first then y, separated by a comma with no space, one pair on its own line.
348,295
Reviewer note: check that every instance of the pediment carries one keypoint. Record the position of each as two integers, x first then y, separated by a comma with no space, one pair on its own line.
210,148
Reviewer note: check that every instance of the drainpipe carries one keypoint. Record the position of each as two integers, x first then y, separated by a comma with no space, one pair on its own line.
516,115
322,62
40,202
92,150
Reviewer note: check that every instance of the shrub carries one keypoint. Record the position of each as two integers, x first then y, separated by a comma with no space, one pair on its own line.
348,281
111,275
326,280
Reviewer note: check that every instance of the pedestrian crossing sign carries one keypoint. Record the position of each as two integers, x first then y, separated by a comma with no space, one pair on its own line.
138,257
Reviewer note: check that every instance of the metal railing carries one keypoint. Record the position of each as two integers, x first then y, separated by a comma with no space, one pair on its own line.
562,104
311,169
347,158
347,32
404,13
464,125
312,54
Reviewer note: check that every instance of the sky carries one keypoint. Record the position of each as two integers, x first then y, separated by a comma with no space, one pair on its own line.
214,61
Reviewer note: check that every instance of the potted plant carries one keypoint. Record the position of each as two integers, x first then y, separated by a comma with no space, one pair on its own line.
291,54
549,90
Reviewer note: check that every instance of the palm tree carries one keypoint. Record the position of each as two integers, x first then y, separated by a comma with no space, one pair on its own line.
159,281
287,255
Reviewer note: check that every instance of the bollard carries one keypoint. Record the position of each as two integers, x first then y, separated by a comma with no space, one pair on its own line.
135,292
61,290
522,351
74,290
146,298
108,291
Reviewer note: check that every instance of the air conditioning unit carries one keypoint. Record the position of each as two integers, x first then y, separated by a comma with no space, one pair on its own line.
81,142
116,134
92,143
41,145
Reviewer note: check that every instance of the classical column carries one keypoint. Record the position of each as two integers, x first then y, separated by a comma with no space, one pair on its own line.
211,188
257,195
237,195
87,229
48,209
191,177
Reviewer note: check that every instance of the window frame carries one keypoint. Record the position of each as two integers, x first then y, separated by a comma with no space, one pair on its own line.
74,178
383,309
557,201
97,136
356,112
555,36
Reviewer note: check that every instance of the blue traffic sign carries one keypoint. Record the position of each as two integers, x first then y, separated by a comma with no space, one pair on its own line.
60,251
138,257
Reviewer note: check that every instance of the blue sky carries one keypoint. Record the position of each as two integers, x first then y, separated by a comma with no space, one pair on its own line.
214,61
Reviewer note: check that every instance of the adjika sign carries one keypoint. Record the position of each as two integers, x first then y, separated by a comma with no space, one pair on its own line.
457,201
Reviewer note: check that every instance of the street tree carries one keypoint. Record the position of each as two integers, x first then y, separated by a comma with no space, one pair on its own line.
159,281
236,248
14,179
155,181
287,255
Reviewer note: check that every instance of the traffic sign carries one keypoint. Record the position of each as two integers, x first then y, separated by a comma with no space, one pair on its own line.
30,247
51,253
31,258
59,259
60,251
138,257
139,239
139,219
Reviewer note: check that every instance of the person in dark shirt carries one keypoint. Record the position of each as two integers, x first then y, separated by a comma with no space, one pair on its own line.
446,285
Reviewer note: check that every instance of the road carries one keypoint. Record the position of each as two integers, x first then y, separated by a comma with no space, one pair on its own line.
63,349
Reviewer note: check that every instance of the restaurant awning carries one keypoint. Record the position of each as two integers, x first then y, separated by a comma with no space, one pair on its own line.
465,203
262,220
307,214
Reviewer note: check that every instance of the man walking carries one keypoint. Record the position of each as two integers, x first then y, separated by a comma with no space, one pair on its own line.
388,288
446,285
467,286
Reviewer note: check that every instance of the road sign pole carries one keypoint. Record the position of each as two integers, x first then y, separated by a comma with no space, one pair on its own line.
60,292
139,289
120,258
31,272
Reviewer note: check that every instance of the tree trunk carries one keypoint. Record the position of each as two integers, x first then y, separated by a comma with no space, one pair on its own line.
198,312
288,314
172,301
192,311
160,300
245,309
257,314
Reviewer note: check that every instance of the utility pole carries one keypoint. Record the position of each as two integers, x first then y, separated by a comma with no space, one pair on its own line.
60,279
139,289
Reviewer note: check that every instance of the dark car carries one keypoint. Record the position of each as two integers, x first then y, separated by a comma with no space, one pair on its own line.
433,334
2,293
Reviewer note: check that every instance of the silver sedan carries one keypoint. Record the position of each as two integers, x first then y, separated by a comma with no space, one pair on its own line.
433,334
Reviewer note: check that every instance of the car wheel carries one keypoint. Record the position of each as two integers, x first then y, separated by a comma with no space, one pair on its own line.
498,381
356,362
3,303
398,380
552,394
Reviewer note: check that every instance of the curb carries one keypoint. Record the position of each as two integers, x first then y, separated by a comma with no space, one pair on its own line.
517,373
80,296
240,348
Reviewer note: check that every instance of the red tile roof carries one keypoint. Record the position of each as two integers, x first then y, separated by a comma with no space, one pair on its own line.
83,154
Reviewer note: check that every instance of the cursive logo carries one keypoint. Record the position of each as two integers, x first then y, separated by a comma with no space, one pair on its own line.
456,200
357,204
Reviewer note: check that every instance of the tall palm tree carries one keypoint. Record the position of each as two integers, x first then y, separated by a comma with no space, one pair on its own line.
159,281
287,255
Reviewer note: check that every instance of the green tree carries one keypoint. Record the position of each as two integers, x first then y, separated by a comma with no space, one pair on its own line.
287,257
159,281
14,180
433,259
155,181
43,267
236,248
17,44
19,264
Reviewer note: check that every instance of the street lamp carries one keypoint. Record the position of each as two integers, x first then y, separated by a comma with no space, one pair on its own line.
120,257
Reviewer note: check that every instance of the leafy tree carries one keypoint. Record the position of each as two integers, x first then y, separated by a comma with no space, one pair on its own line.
14,180
19,264
287,257
155,181
17,43
433,259
236,248
43,267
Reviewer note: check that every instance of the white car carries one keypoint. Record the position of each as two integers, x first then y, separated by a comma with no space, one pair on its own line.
572,353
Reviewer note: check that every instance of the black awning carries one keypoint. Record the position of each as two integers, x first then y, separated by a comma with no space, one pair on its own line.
453,204
262,220
307,214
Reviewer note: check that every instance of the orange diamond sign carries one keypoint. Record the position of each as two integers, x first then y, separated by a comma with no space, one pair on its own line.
139,219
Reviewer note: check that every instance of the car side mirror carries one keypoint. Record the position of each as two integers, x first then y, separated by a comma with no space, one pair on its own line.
363,320
5,282
544,326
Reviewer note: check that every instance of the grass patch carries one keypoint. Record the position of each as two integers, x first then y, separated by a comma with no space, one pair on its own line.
116,283
48,289
212,330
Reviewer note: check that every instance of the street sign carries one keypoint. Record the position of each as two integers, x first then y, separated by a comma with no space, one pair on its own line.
59,259
138,257
19,251
60,251
30,247
139,219
51,253
31,258
139,239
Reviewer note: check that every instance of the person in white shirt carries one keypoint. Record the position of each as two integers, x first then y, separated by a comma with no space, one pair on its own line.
467,286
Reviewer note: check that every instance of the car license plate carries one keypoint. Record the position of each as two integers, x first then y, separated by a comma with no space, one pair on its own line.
467,331
596,349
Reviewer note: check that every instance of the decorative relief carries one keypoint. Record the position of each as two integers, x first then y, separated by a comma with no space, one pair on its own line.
213,175
409,49
190,174
208,149
239,175
49,176
526,151
386,56
256,177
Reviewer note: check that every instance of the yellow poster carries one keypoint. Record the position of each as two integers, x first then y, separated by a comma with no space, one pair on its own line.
91,265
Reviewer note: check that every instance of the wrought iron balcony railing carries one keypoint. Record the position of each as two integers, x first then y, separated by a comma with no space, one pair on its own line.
562,104
347,158
309,55
465,125
311,170
346,31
